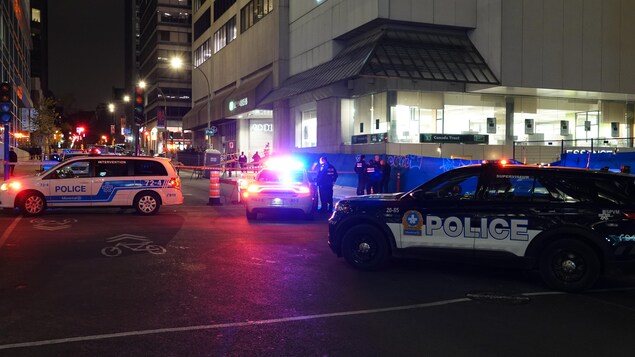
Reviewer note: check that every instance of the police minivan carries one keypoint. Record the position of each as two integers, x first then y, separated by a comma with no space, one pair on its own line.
571,225
143,183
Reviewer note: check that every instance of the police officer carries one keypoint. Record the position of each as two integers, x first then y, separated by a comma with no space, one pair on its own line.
373,177
360,170
326,177
242,160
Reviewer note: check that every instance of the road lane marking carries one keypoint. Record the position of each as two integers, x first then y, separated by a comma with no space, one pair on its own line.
9,230
271,321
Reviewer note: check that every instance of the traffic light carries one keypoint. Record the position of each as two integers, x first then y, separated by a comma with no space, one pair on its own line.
139,104
5,103
171,136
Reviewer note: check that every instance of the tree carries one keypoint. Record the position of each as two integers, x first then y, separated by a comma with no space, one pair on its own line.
44,123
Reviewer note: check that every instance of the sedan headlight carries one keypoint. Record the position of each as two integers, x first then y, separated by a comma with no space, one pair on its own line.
11,185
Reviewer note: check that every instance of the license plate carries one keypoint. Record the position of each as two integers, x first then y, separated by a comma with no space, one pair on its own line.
282,202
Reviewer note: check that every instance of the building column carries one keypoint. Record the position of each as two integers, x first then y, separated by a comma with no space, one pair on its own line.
283,128
329,129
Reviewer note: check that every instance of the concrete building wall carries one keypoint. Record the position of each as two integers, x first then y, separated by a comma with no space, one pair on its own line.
313,25
568,44
262,46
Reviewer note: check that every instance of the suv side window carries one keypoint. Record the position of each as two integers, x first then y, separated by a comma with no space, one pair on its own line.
149,168
461,187
568,189
75,169
504,187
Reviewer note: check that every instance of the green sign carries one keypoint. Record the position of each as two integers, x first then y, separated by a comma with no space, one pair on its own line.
454,138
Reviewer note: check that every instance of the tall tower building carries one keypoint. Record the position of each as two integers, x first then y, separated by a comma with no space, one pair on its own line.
164,33
15,59
39,52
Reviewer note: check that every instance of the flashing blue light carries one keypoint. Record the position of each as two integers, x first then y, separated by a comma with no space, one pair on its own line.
284,164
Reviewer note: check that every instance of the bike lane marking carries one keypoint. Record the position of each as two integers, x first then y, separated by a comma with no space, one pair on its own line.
275,321
7,233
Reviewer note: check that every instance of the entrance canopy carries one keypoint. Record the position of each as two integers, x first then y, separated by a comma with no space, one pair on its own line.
435,54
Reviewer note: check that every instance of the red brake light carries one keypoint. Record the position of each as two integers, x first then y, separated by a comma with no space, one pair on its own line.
629,215
175,182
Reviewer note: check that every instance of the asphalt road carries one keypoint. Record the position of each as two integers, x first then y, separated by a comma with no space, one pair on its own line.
199,280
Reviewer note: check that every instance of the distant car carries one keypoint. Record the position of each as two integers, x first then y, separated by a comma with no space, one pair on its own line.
280,188
572,225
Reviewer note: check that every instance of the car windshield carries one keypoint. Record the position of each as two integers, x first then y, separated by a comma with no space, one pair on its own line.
280,176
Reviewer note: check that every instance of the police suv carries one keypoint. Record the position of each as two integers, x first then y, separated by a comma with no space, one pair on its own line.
570,224
144,183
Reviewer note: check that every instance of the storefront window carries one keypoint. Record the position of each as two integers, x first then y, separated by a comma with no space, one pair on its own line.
475,114
308,129
542,120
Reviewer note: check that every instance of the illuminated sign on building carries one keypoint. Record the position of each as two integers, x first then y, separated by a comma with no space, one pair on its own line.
262,127
235,104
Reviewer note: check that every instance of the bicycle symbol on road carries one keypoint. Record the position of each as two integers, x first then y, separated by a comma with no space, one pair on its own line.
132,242
51,224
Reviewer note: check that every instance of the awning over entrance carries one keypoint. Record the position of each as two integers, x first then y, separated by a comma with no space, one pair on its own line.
248,95
196,116
419,54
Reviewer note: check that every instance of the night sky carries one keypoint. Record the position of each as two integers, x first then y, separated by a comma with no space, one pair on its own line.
86,50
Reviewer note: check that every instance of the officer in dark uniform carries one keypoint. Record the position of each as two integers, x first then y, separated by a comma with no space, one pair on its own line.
242,160
360,170
326,177
373,177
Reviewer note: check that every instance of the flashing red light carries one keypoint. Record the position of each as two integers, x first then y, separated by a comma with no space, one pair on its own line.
629,215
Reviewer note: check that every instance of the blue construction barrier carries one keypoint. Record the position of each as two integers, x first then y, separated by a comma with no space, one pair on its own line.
413,170
612,161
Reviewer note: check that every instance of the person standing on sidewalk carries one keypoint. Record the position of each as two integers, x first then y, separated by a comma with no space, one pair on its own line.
326,177
13,158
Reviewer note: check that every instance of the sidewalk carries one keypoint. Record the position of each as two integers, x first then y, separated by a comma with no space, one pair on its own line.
23,168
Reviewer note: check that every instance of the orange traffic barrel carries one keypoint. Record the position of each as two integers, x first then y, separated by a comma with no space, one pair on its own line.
214,188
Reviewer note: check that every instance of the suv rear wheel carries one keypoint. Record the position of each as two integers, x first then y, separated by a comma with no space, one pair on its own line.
365,247
569,265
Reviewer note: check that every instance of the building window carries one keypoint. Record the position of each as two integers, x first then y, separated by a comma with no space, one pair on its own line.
225,35
202,24
202,53
35,15
221,6
174,17
251,13
164,35
308,129
198,4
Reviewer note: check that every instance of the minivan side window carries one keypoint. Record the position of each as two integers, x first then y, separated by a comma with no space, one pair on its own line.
75,169
149,168
110,168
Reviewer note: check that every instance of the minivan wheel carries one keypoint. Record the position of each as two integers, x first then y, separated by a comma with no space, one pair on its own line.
365,247
32,204
147,203
569,265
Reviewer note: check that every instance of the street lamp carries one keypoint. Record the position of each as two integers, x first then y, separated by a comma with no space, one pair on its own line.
111,109
177,63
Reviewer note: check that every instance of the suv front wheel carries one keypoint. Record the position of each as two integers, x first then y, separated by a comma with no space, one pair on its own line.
365,247
569,265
